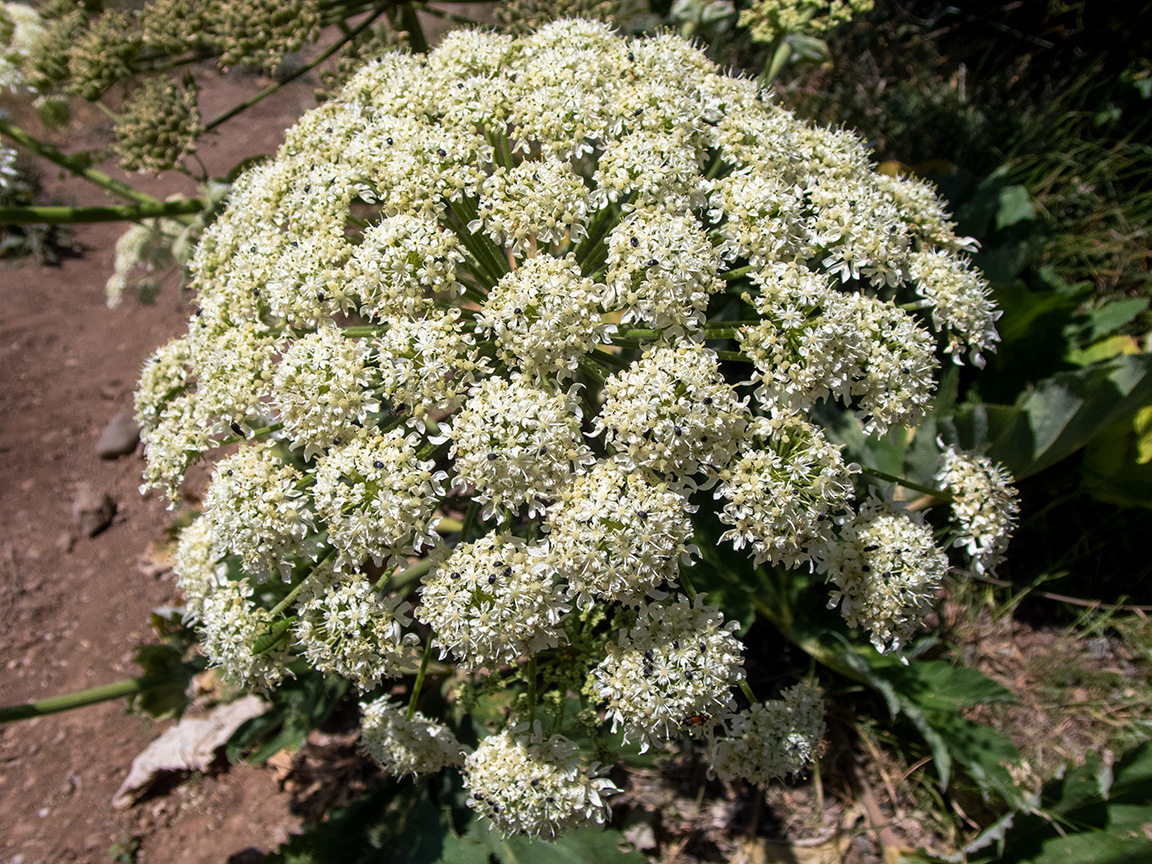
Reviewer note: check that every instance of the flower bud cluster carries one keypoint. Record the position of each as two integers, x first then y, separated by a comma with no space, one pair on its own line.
483,331
159,125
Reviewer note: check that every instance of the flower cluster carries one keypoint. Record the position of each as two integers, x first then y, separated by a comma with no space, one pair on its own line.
159,125
21,27
407,745
984,503
528,784
500,335
886,570
772,739
768,20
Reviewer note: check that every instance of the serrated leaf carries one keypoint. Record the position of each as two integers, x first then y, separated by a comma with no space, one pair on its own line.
1112,469
1113,346
1107,319
938,686
169,700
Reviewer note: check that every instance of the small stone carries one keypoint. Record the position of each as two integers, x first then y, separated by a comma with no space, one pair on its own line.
65,541
92,511
119,438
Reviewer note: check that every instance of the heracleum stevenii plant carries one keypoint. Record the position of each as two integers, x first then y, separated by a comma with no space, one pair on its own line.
494,332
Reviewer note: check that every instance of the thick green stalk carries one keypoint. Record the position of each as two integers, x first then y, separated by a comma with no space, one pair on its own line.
75,164
287,79
103,693
411,23
113,213
419,679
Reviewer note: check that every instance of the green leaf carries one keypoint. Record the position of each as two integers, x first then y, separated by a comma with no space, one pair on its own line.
1100,322
163,661
586,846
1092,815
938,686
930,694
400,821
1061,415
1014,205
1112,469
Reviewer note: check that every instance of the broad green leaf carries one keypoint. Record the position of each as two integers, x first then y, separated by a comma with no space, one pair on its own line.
930,694
1061,415
1112,470
1112,346
938,686
1107,319
1092,815
1014,205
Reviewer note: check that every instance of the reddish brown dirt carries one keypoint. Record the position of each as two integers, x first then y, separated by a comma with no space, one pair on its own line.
71,613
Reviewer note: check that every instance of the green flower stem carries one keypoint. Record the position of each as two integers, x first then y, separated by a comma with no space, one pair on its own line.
410,21
738,273
592,369
450,525
487,269
291,596
600,223
77,165
287,79
907,484
531,690
95,695
686,584
363,330
114,213
419,679
734,356
717,165
470,516
411,574
747,691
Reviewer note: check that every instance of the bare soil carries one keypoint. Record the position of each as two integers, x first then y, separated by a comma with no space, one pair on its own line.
72,608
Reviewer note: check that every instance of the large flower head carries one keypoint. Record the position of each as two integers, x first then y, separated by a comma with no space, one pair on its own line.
486,331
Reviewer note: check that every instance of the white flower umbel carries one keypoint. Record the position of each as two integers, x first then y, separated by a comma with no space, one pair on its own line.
984,503
771,740
673,412
781,492
323,389
376,497
492,602
544,316
531,204
661,269
407,746
886,570
617,535
536,294
528,784
427,364
517,444
257,511
350,629
199,567
232,625
676,666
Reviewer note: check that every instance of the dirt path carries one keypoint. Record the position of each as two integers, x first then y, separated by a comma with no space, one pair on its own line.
73,608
